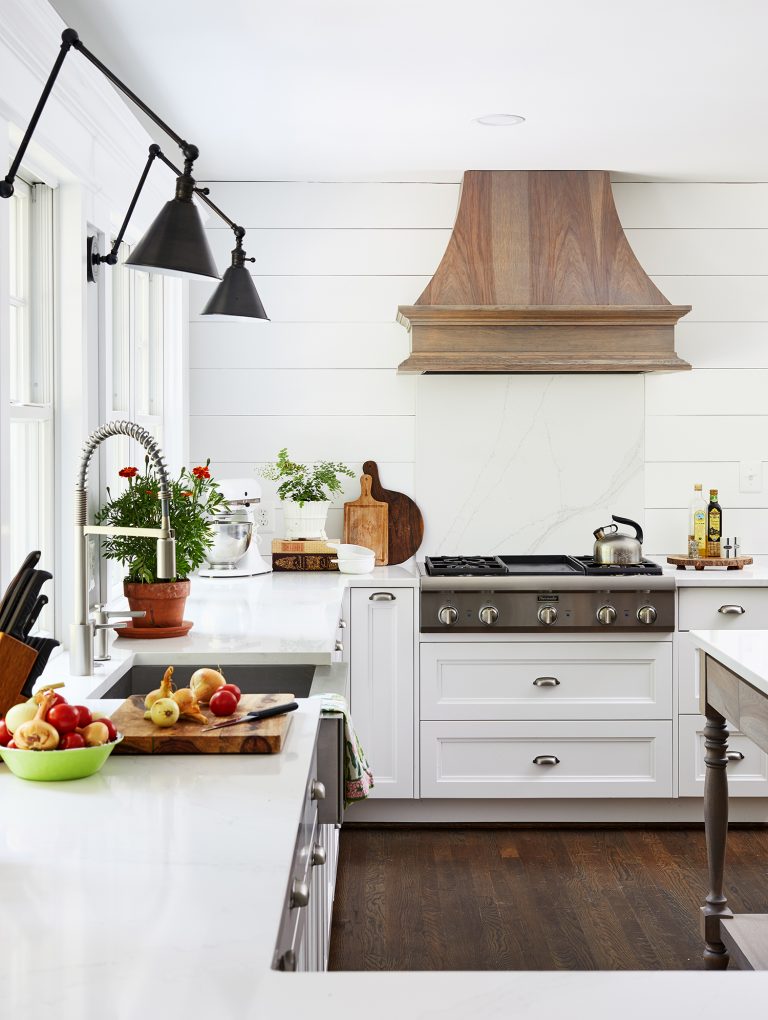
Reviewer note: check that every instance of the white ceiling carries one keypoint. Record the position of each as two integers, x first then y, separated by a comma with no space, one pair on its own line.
352,90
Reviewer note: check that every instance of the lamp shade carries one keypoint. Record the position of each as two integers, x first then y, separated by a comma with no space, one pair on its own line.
236,295
175,244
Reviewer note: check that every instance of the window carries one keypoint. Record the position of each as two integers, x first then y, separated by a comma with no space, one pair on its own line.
32,378
134,384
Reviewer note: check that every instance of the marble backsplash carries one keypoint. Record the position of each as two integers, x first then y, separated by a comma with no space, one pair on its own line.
527,464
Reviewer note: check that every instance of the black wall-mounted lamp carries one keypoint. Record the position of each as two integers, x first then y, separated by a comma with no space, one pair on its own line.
175,243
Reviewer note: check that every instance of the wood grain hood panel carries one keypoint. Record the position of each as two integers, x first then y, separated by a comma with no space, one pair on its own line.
538,276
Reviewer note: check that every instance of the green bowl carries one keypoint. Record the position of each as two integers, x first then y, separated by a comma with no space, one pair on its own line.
54,766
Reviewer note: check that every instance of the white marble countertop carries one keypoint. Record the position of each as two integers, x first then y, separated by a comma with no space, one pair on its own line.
276,617
155,888
745,652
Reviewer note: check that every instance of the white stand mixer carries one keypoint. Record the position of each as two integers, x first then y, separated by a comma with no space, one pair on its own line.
235,552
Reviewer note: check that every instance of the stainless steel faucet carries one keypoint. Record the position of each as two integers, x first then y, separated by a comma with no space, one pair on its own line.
83,629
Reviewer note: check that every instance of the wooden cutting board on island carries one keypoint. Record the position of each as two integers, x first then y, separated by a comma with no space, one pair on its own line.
141,736
366,522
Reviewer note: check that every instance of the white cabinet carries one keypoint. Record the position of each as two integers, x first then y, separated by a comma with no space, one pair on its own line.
543,680
381,668
715,608
546,759
747,764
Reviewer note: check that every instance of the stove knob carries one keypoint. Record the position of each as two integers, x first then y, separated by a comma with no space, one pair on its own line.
646,615
448,615
606,614
489,615
547,615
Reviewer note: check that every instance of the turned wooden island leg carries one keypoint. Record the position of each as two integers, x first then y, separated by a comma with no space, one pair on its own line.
716,832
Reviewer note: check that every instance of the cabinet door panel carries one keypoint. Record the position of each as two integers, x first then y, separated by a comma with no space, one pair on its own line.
539,680
381,685
699,608
576,759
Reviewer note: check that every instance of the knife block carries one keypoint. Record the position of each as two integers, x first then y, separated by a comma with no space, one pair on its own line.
16,661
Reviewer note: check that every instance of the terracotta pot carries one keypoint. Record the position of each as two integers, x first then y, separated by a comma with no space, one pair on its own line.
163,602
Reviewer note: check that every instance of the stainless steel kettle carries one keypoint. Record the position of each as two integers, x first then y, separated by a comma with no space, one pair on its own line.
613,549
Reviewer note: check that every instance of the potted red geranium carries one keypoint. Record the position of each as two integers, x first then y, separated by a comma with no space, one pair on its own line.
195,496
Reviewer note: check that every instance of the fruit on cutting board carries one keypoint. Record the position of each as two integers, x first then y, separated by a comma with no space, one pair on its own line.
223,702
205,682
163,691
164,712
234,688
188,706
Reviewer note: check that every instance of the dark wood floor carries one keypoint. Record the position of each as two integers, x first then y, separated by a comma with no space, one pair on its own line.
547,899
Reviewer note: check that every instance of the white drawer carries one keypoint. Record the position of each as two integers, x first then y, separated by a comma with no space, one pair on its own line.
595,759
594,680
699,608
747,777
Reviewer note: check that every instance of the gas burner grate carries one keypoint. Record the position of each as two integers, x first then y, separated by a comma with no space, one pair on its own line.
464,566
646,567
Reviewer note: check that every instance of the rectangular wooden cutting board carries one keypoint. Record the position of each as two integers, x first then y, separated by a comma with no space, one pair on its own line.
365,522
141,736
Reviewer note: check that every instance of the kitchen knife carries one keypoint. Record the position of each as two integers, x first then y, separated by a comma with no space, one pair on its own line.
42,601
43,647
25,603
12,603
29,563
262,713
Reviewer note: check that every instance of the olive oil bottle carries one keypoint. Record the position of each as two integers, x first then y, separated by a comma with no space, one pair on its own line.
698,523
714,524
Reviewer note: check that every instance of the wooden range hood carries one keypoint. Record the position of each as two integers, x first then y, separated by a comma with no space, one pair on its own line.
539,277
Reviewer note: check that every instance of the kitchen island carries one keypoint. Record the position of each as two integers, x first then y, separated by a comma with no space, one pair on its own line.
154,889
733,678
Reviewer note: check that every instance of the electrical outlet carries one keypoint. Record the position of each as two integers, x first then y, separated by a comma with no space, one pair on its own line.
750,476
264,519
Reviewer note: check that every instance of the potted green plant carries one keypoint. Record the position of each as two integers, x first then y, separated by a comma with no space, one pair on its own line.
194,497
304,491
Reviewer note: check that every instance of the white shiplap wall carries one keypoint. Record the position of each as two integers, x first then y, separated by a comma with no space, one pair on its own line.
335,261
706,245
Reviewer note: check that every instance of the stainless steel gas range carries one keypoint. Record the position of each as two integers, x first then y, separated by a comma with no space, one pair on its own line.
543,593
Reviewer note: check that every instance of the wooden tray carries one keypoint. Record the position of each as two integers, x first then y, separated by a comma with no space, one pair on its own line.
732,562
141,736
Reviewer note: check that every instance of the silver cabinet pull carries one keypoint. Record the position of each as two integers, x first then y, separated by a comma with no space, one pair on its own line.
546,759
338,647
732,610
299,893
342,624
317,790
381,596
546,681
318,855
734,755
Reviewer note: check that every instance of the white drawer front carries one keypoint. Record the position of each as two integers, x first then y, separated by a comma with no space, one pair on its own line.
747,776
699,608
606,680
596,759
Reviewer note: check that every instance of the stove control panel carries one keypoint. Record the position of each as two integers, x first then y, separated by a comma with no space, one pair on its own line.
581,610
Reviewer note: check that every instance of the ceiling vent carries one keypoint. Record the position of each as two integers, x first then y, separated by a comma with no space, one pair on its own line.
538,276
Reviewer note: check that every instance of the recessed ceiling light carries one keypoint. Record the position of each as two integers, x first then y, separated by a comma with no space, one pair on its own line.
499,119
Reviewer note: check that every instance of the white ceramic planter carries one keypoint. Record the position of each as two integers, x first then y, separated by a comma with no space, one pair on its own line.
306,521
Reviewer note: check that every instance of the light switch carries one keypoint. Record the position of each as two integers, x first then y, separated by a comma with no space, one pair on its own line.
750,476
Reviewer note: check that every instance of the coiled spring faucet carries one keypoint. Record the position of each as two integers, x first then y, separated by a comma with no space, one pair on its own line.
82,630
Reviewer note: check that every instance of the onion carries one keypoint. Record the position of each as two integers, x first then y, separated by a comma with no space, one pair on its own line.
205,682
94,734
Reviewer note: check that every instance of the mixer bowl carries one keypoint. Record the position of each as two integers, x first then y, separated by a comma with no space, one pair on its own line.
231,540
